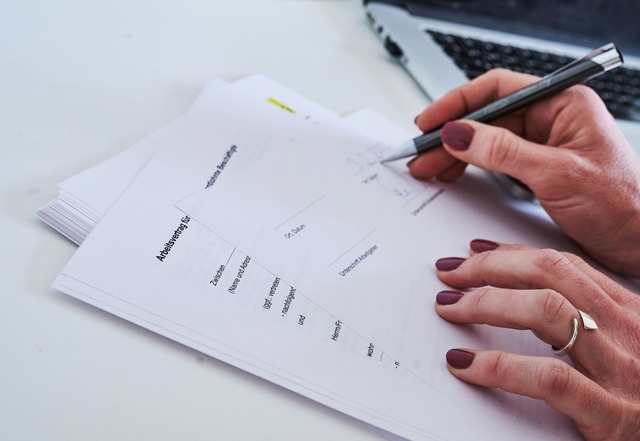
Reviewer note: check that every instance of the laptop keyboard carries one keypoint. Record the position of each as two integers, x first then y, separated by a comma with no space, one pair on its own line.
619,88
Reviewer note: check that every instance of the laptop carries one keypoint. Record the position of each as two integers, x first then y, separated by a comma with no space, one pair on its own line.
444,44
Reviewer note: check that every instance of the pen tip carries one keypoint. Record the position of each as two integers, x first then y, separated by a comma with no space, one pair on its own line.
405,150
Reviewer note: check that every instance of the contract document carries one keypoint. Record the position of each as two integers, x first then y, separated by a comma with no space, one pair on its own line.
263,231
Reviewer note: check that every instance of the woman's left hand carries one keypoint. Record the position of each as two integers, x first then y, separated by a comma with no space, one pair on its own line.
544,290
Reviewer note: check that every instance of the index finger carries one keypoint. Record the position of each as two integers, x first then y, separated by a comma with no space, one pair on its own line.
472,95
617,292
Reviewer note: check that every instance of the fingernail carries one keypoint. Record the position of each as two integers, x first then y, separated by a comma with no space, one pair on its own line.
449,263
411,162
460,359
482,245
448,297
415,120
457,135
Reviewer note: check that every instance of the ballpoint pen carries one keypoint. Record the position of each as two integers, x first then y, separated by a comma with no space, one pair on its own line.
580,70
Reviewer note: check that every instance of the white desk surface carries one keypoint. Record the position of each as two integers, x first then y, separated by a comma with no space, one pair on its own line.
81,81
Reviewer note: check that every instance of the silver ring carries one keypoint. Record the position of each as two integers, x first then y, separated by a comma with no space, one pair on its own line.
566,348
587,322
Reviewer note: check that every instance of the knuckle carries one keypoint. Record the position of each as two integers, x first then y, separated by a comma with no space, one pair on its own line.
577,262
482,299
552,262
554,306
497,73
554,379
574,258
482,261
462,98
501,149
584,94
498,367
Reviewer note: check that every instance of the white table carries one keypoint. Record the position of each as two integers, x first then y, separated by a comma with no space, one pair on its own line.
82,81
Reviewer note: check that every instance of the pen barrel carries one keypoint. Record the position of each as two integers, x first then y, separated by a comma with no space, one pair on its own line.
544,88
537,91
606,58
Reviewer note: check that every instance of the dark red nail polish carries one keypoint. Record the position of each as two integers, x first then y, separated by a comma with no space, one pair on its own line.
457,135
449,263
448,297
459,358
481,245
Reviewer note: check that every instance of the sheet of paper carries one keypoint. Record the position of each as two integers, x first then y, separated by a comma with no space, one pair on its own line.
154,265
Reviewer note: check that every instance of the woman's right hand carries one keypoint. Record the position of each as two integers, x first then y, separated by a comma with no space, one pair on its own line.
567,149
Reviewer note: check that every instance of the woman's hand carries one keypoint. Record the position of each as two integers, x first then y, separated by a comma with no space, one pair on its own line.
524,288
567,149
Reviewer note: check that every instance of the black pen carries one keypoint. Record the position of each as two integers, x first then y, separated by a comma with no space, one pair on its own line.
578,71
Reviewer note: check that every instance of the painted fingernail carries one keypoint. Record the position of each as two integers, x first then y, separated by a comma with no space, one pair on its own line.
460,359
482,245
457,135
448,297
449,263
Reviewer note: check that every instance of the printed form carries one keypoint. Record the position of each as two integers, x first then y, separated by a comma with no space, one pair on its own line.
265,233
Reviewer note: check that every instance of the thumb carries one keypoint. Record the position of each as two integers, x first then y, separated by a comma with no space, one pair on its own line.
497,149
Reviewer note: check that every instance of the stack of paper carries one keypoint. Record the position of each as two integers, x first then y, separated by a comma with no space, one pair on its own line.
261,229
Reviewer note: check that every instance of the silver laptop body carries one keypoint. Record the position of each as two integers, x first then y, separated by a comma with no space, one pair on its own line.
413,33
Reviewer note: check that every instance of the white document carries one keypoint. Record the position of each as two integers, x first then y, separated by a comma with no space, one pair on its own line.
259,293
